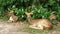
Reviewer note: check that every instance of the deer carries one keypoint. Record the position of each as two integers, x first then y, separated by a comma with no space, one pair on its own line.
12,18
38,23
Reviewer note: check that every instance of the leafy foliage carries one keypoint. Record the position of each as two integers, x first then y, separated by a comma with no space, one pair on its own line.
40,8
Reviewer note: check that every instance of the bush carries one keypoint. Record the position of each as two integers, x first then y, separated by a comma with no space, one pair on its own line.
40,8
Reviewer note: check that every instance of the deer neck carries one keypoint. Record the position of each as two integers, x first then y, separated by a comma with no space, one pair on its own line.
29,20
12,15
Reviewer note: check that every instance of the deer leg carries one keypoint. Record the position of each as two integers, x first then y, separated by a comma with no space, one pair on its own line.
36,26
40,27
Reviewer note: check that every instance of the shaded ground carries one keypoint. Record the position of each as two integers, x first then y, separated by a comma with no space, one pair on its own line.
11,28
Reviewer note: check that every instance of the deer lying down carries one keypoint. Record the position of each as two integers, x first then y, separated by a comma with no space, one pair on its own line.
12,18
39,23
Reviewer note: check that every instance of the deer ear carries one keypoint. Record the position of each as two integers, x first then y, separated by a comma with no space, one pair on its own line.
26,13
31,13
11,11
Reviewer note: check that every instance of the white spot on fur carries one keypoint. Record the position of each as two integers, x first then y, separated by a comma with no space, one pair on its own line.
11,19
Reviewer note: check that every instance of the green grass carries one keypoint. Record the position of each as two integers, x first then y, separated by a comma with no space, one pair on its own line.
4,18
36,31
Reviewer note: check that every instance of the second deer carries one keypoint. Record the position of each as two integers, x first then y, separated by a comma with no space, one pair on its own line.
12,18
39,23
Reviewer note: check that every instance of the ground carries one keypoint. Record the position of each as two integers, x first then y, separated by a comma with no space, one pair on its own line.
20,28
11,28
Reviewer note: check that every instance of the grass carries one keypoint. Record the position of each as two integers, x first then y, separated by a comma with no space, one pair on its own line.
36,31
4,18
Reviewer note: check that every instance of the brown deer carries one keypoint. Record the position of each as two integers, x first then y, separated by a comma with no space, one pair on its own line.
12,18
38,23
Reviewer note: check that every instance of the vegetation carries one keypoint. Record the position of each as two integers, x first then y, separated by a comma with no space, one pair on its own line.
40,8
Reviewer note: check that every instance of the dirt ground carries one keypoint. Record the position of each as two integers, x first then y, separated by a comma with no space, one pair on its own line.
11,28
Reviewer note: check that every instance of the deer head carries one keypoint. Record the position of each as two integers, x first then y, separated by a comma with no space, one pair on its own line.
28,14
11,13
13,18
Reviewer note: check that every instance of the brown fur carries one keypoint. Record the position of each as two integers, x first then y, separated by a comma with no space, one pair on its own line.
39,23
12,18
